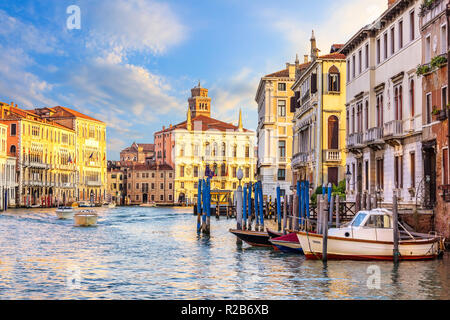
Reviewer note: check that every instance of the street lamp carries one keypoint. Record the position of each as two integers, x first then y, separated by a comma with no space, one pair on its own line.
240,175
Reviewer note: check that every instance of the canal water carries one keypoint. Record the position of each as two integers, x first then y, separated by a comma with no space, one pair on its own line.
155,253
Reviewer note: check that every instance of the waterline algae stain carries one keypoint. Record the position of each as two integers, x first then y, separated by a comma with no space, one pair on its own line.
156,253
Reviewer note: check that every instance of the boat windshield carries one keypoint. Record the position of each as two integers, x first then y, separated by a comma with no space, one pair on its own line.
359,219
379,221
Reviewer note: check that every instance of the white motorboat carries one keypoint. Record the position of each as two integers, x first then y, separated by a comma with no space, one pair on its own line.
85,218
370,236
150,204
64,212
109,205
84,204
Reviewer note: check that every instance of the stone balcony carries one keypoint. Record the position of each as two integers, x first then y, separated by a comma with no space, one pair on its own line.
300,160
355,140
393,130
332,155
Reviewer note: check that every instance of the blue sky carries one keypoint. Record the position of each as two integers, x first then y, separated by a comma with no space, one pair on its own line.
132,63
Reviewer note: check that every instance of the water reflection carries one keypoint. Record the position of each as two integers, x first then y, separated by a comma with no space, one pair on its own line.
156,253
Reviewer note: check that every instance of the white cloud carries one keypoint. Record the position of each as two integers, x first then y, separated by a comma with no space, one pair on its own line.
335,24
237,92
134,25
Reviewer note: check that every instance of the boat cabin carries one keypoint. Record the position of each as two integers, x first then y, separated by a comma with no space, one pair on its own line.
374,225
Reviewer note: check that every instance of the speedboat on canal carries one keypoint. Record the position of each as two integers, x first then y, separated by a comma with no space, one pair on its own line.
254,238
64,212
84,204
150,204
109,205
369,236
85,218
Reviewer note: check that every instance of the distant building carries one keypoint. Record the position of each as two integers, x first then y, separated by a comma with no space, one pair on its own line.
138,152
148,183
201,144
116,190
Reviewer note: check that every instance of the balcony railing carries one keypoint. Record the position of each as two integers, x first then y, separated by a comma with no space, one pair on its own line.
94,183
393,129
332,155
373,135
355,140
300,159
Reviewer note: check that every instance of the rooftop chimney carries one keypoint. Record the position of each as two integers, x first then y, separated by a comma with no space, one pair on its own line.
391,2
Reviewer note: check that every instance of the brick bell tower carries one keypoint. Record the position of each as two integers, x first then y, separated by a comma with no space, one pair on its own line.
199,102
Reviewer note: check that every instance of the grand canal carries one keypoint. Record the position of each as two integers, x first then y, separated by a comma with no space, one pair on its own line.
155,253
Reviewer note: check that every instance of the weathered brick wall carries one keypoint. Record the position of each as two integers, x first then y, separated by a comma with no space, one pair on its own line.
420,222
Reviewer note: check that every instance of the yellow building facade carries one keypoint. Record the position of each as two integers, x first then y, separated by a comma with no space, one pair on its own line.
90,155
320,120
45,151
201,144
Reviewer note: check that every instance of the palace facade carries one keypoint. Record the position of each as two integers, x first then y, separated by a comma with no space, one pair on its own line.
201,144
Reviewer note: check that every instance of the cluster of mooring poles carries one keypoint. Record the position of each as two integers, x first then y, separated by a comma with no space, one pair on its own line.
249,207
204,206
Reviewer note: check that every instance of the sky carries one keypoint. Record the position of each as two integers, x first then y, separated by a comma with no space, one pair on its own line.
132,63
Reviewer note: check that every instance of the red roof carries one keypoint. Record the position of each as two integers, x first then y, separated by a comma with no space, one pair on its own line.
279,74
335,55
207,124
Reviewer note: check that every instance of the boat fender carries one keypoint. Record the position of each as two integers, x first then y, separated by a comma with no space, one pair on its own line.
347,234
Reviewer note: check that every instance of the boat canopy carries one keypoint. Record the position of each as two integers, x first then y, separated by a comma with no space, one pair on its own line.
376,218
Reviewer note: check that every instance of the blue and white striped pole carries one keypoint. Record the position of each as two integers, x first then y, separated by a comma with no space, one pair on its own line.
279,207
261,205
244,209
199,204
249,208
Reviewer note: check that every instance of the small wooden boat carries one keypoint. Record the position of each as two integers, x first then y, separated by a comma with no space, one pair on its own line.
85,218
64,212
287,243
150,205
253,238
274,234
370,236
109,205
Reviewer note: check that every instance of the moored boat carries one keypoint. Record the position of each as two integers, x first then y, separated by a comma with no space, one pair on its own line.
287,243
150,204
369,236
274,234
253,238
85,218
64,212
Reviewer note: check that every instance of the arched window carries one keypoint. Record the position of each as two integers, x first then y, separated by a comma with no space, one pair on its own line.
366,116
334,79
224,149
12,150
215,149
207,149
333,133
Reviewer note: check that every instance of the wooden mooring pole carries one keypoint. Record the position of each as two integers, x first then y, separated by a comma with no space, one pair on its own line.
284,214
278,203
325,230
396,252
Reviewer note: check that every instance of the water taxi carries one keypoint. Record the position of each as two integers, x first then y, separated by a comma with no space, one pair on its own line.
85,218
64,212
370,236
